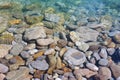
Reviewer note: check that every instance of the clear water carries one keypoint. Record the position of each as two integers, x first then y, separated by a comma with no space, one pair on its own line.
93,7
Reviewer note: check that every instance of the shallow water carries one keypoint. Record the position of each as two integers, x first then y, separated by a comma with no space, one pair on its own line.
44,30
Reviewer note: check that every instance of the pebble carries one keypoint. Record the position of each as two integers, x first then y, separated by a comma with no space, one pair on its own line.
33,51
85,72
45,42
16,49
74,57
22,73
49,51
30,46
92,66
52,17
116,38
16,62
2,76
71,26
4,50
104,73
103,53
8,56
58,79
110,51
103,62
61,43
25,54
3,68
96,55
40,65
74,36
82,46
38,54
87,34
115,70
34,33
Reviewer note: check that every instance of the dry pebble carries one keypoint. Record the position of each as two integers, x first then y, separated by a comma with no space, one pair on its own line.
92,66
3,68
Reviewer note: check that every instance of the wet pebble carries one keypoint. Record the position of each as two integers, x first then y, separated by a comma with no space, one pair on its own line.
74,57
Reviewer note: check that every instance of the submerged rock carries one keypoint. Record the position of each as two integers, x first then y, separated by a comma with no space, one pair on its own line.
34,33
87,34
74,57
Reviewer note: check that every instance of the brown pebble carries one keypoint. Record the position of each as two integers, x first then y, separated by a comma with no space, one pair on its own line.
62,51
38,73
38,54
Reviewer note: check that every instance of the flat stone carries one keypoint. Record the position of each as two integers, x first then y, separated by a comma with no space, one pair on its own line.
22,73
87,34
16,49
34,33
85,72
3,68
45,42
40,65
74,57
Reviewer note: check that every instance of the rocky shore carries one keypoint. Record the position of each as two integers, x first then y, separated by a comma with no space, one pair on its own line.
38,43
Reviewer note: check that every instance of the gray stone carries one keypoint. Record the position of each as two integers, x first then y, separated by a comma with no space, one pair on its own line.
74,57
92,66
40,65
103,62
103,53
87,34
34,33
96,55
3,68
16,49
18,38
25,54
52,17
